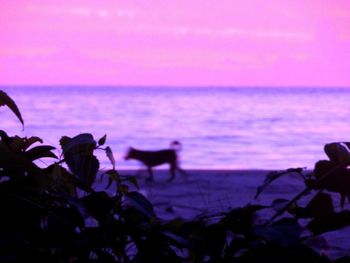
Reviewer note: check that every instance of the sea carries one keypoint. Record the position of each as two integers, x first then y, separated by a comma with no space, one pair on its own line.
218,127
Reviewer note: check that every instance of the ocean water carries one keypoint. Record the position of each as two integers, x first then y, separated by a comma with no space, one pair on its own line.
219,128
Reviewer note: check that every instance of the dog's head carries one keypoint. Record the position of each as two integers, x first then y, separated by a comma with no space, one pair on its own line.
176,145
129,154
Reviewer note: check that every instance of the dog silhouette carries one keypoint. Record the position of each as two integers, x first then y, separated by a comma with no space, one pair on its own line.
154,158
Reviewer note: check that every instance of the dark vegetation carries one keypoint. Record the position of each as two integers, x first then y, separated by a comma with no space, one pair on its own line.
52,213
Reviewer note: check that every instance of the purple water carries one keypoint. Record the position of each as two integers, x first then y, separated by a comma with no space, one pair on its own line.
220,128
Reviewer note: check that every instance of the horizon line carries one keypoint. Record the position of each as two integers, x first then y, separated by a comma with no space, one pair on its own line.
168,86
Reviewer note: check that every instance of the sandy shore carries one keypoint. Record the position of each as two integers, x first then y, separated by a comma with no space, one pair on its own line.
208,191
211,191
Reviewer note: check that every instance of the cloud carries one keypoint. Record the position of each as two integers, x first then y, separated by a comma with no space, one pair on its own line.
229,32
87,11
345,36
103,13
30,52
80,11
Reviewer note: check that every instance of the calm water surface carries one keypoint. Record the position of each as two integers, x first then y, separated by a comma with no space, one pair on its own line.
225,128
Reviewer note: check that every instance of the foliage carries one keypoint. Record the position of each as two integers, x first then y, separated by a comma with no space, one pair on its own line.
55,214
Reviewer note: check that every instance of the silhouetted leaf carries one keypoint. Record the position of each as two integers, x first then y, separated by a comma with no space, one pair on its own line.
102,140
99,204
332,222
178,239
272,176
63,180
79,205
17,143
87,169
140,203
32,140
78,154
42,151
61,223
338,152
4,137
123,189
331,177
279,204
240,220
319,206
5,100
85,166
317,242
64,141
81,143
110,156
213,239
285,231
131,179
113,176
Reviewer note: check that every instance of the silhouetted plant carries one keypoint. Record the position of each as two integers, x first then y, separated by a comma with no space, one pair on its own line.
53,212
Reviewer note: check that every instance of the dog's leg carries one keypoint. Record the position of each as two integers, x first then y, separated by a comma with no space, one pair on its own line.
182,172
172,172
150,177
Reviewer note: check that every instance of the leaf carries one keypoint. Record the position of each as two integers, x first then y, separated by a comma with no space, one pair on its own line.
4,137
333,222
85,167
88,169
64,141
131,179
98,204
63,180
42,151
110,156
178,239
113,176
123,189
338,152
5,100
240,220
81,143
17,143
32,140
140,203
62,221
331,177
324,168
272,176
102,140
320,206
279,204
286,231
78,154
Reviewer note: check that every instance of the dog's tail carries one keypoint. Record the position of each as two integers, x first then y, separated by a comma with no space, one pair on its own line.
176,145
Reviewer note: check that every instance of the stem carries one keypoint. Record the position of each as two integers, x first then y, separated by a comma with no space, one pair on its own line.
280,212
303,192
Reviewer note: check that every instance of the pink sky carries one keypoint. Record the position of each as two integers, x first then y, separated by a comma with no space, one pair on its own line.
183,42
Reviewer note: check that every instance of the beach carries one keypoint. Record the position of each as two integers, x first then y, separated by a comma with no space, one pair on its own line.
210,192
